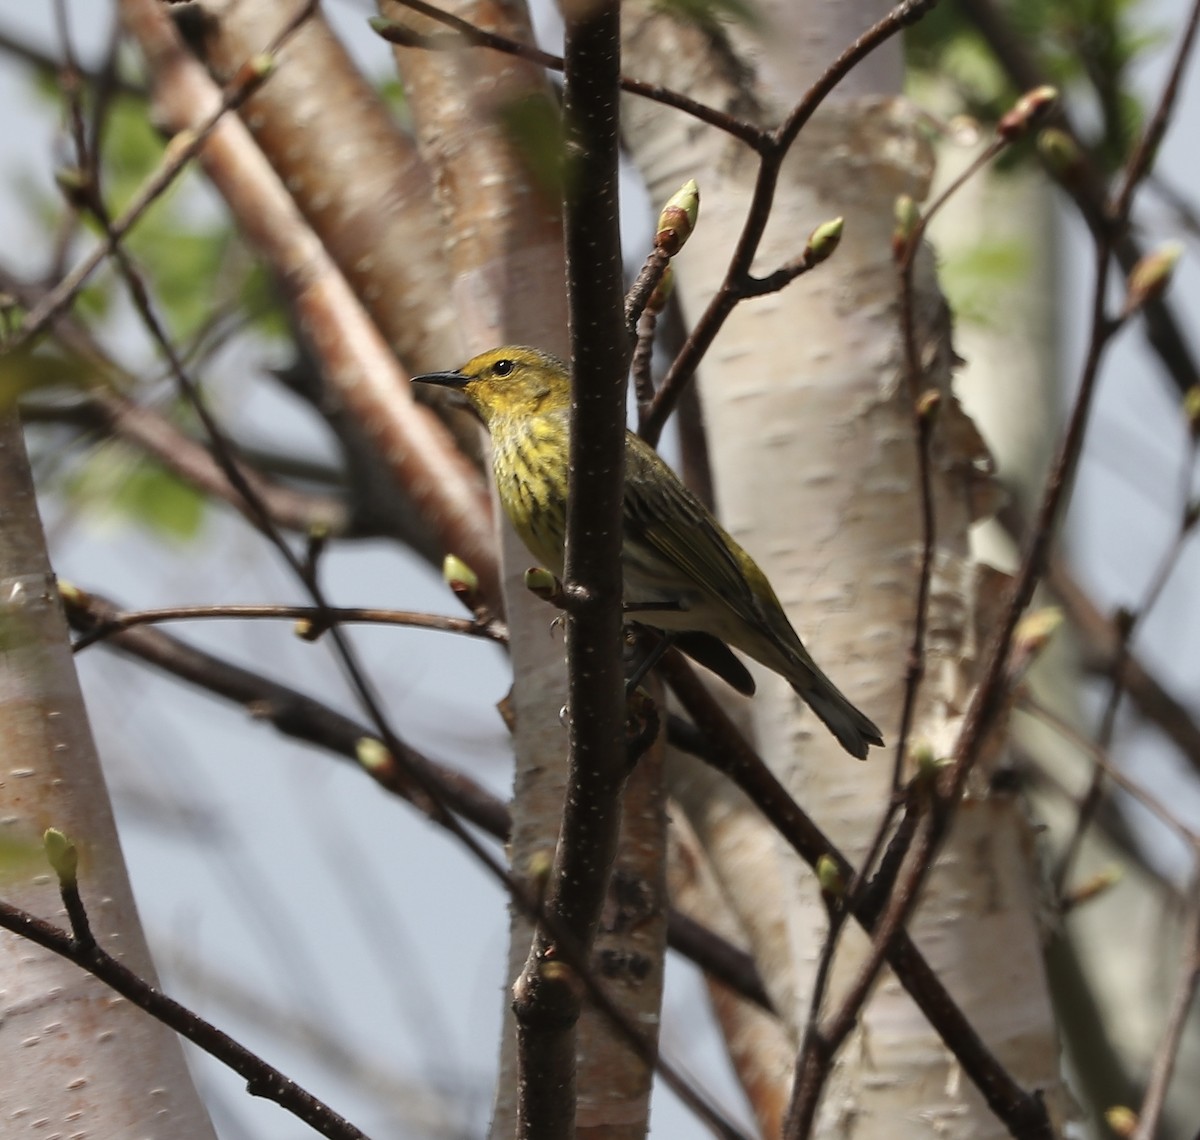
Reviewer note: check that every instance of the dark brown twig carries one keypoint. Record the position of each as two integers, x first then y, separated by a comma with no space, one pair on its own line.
1022,1113
738,281
468,34
1181,1003
991,694
176,159
261,1079
546,999
1086,188
119,622
302,717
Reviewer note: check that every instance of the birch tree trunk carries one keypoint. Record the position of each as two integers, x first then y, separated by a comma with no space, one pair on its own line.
815,470
76,1058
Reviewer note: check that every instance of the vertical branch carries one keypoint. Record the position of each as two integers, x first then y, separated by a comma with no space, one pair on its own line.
547,999
599,359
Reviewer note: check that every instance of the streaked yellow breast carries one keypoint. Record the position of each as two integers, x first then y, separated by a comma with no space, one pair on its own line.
530,463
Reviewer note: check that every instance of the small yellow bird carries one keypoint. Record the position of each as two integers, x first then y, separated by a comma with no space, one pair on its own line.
675,553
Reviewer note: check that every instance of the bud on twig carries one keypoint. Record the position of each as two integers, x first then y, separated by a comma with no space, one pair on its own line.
1191,409
928,403
372,754
678,219
1035,629
1060,153
462,580
255,70
823,241
925,761
63,856
308,630
1121,1119
1029,109
542,584
829,877
908,217
1149,278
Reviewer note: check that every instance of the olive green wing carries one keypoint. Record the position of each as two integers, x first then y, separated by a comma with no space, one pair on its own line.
661,512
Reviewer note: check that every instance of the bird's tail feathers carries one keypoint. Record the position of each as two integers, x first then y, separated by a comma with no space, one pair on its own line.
854,730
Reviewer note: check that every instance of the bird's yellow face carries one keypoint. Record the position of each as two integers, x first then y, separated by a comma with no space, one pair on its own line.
508,383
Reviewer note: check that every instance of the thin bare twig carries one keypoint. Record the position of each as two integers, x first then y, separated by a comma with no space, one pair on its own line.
1177,1018
1023,1114
1100,642
1087,189
261,1079
470,35
738,281
174,161
1126,629
1102,761
312,615
990,695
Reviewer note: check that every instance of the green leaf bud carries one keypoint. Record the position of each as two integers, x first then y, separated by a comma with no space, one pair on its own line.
1028,109
458,575
541,583
829,876
824,240
678,219
372,754
1060,152
63,856
1149,278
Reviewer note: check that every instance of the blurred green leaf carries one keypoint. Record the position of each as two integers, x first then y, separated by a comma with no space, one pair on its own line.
121,483
1084,47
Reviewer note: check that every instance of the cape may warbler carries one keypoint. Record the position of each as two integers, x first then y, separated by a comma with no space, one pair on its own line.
675,552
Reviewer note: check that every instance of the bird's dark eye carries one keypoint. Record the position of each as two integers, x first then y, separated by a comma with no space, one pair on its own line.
503,367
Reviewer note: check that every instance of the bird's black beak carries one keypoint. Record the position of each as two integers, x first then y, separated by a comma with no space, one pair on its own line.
455,380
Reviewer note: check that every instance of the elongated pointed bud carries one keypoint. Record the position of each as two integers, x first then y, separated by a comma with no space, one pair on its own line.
908,217
1060,153
662,292
1149,278
63,856
1032,107
823,241
678,219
